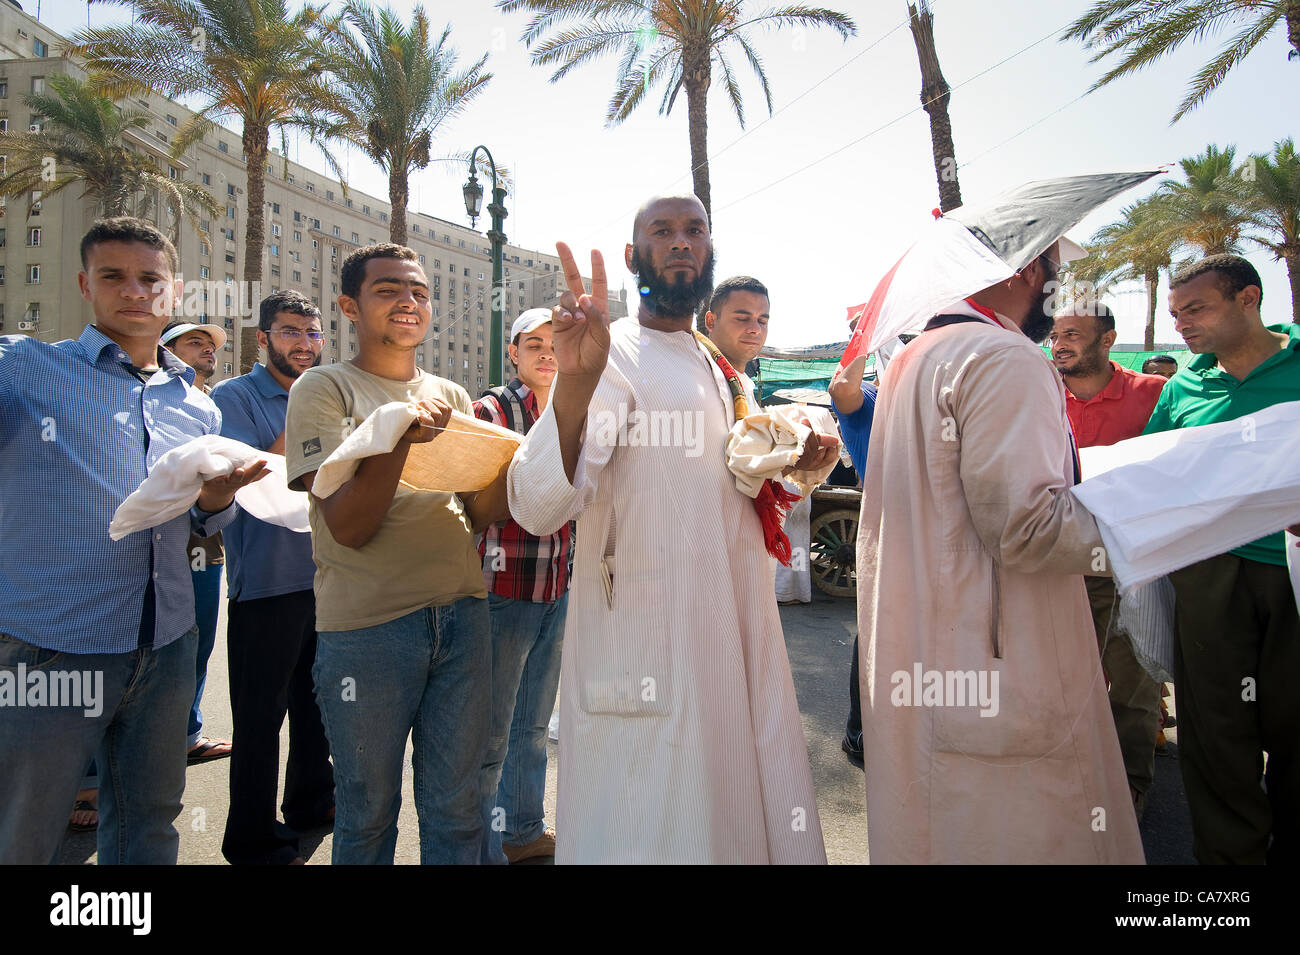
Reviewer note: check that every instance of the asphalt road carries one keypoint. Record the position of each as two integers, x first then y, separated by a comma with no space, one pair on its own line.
819,638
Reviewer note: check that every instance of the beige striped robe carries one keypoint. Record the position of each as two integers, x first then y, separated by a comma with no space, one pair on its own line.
680,734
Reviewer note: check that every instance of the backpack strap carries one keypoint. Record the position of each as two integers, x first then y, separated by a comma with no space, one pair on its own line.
513,409
943,321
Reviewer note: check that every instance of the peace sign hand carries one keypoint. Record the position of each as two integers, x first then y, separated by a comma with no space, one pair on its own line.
580,323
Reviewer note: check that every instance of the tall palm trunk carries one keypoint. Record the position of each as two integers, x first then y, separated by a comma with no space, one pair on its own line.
696,77
935,94
1293,25
399,192
1152,280
256,148
1293,273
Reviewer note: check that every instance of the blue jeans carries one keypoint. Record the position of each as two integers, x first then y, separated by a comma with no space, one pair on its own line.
429,675
526,642
130,718
207,596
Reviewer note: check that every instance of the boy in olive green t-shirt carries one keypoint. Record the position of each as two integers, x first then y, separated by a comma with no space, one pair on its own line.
404,641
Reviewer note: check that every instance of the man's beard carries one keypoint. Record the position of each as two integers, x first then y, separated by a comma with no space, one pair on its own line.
1038,324
284,366
679,299
1087,362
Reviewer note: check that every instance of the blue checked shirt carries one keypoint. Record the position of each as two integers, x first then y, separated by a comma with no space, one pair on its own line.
73,420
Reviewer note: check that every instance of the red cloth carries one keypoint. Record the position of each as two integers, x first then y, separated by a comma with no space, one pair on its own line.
1117,412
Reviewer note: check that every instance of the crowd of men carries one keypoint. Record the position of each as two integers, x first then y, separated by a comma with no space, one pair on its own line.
634,575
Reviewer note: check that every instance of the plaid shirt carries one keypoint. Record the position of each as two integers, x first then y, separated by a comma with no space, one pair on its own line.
516,563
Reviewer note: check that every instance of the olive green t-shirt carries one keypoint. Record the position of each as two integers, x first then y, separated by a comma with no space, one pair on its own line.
423,553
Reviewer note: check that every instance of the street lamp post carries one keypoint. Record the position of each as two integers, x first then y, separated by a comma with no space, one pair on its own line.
473,205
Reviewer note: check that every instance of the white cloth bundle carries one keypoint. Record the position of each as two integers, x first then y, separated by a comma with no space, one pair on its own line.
378,434
173,485
765,443
1146,614
1165,501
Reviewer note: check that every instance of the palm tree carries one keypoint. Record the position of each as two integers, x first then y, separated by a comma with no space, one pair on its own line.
1273,197
1140,32
935,94
248,59
676,43
398,89
1135,247
1207,211
81,141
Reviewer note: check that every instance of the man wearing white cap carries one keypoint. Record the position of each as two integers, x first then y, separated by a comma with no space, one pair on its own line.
197,346
987,733
527,580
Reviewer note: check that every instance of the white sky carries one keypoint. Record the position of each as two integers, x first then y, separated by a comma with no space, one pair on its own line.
821,236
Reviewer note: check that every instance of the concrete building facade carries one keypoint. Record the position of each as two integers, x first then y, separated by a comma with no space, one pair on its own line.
312,224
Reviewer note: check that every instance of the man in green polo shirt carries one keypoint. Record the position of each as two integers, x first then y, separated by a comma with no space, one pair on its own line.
1237,659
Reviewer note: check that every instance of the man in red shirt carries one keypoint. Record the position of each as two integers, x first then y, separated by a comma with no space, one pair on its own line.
1105,404
527,580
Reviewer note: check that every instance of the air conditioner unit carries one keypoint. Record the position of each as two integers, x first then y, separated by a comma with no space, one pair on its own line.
27,326
22,33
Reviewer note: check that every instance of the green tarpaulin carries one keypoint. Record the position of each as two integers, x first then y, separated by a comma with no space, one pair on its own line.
778,373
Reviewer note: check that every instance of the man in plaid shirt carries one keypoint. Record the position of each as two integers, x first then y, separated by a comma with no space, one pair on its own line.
527,581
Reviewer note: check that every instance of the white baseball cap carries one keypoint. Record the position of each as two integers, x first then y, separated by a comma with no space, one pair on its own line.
525,323
215,332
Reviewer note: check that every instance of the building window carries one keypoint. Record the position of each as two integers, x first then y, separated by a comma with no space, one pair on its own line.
311,187
356,239
275,208
415,227
230,188
329,194
34,236
40,47
383,217
203,271
229,234
230,212
36,202
297,236
230,257
297,276
336,231
2,275
297,216
275,248
366,210
222,147
275,270
33,275
4,90
205,225
171,119
480,276
421,259
227,367
207,180
173,172
38,85
275,228
315,224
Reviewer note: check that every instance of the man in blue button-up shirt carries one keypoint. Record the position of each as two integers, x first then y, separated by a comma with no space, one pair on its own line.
97,637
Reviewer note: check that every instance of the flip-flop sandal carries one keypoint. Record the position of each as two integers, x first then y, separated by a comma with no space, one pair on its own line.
202,753
82,806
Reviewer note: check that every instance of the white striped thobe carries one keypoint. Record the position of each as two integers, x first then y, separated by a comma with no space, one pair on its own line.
681,735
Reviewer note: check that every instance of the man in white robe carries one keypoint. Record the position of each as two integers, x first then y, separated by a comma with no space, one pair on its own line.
682,735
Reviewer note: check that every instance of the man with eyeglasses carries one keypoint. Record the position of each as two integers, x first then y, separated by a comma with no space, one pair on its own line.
271,624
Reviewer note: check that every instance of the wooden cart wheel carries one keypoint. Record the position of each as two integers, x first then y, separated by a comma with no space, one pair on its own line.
833,541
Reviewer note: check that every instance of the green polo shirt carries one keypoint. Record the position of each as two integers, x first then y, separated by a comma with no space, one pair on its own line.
1203,393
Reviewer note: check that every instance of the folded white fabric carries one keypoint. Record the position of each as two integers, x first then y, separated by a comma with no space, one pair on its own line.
1293,563
270,499
1146,614
174,483
1164,501
765,443
378,434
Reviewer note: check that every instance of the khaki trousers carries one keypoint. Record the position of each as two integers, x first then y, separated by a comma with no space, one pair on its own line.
1134,695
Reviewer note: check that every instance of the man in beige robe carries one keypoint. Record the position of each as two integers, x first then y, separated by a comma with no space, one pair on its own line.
988,736
682,740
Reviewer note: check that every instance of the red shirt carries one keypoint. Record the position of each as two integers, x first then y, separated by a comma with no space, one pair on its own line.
1117,412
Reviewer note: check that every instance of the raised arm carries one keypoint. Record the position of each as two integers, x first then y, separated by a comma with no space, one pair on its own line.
580,329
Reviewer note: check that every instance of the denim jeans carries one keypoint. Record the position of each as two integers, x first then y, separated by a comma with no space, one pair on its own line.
526,642
428,675
134,729
207,596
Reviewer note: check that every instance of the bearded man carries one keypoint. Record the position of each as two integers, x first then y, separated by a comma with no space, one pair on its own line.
271,623
682,736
